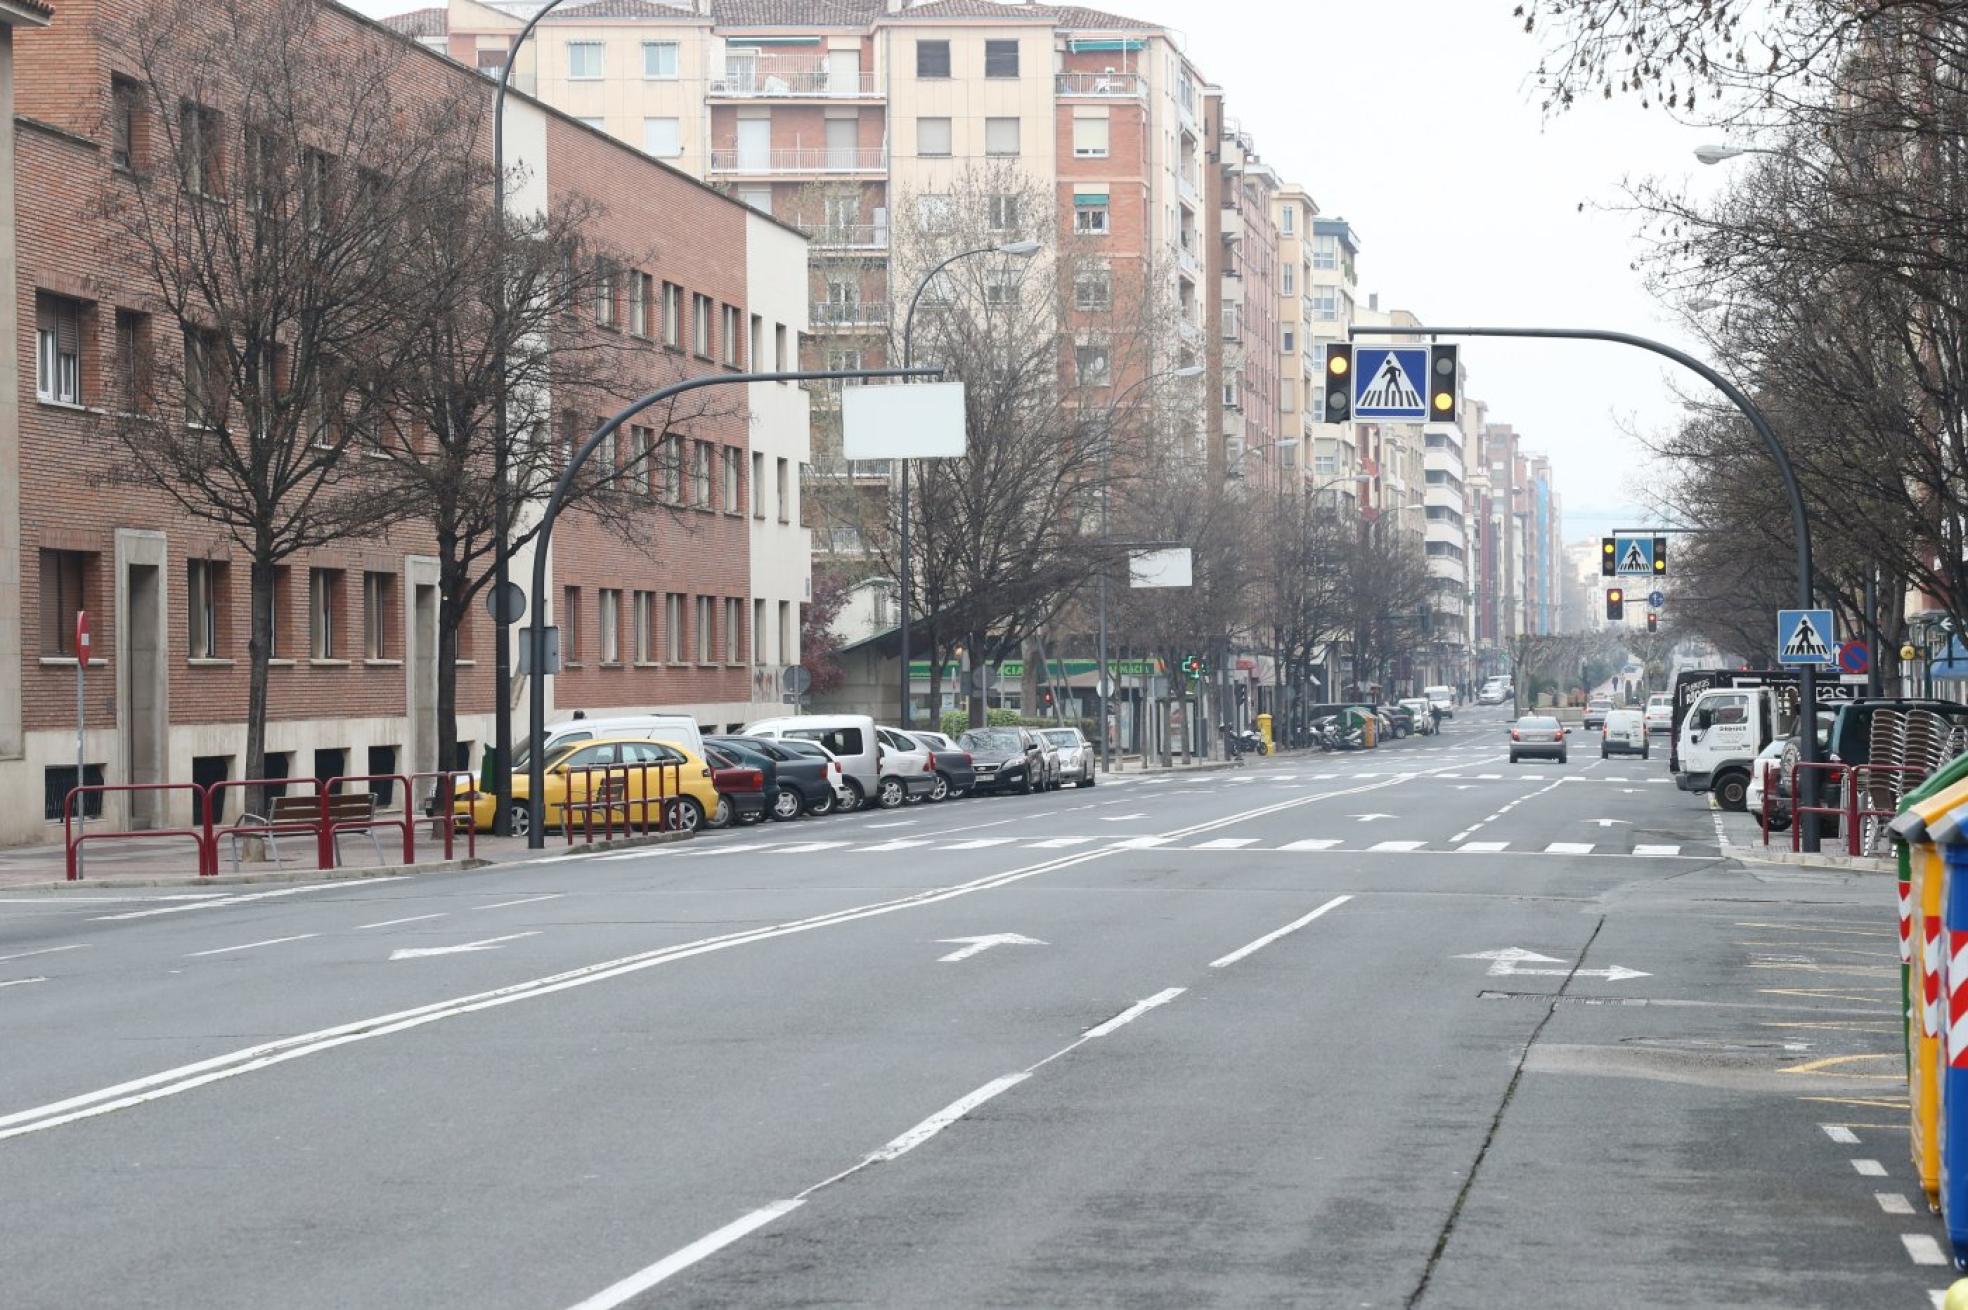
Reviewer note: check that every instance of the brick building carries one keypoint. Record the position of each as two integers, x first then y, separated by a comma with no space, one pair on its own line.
683,619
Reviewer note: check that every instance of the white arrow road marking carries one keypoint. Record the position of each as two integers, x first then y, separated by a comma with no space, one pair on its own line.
1500,961
489,943
978,945
1510,961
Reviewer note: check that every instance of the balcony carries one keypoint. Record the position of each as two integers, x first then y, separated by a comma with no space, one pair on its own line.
1233,289
787,83
1232,223
850,236
1188,263
1106,86
1189,332
1185,186
849,313
817,160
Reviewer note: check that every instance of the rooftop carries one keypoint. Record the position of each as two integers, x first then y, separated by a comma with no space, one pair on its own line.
419,23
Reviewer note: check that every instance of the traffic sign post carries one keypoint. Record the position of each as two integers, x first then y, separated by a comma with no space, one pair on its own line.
1854,659
83,645
1390,382
1633,556
1804,637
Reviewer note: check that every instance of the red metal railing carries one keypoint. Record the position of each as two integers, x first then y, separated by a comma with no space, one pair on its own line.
267,827
1854,778
618,796
200,836
1771,772
444,814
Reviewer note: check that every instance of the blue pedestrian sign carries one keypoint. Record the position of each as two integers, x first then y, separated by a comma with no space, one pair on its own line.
1804,637
1657,598
1390,382
1633,556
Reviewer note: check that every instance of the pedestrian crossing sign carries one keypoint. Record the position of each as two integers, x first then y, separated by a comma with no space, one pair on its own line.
1633,556
1804,637
1390,382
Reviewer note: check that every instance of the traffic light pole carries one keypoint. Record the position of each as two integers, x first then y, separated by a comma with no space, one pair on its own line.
1809,782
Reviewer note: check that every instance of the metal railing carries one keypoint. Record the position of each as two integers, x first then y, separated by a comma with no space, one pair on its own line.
767,82
1125,85
838,313
801,159
853,236
1855,779
623,790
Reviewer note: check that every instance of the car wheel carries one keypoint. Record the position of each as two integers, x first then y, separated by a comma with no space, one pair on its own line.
683,814
1028,788
785,804
1732,792
1085,782
941,791
854,799
958,793
721,816
892,794
519,816
1563,758
1513,757
825,805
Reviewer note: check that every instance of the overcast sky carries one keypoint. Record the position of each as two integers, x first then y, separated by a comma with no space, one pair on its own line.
1418,121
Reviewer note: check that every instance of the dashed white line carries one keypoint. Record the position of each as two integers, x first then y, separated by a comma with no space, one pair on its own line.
524,900
1120,818
979,843
1060,843
391,923
1869,1168
1225,844
1397,846
1922,1249
805,847
1841,1134
1568,848
46,950
242,899
1311,844
1253,947
670,1266
21,982
1133,1012
1140,843
248,946
1484,847
1893,1203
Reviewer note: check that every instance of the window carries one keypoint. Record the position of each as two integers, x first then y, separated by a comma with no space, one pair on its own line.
779,356
492,62
1290,339
733,469
662,137
700,325
642,291
673,627
611,627
700,474
645,627
1325,251
57,349
204,392
1090,220
758,485
58,780
758,631
124,98
933,138
583,61
1091,360
1230,393
1093,289
570,625
1001,59
378,603
673,315
787,633
1003,213
64,578
1290,273
205,589
1001,289
757,356
734,630
643,441
1090,138
758,197
732,317
932,59
1287,219
202,148
1325,303
935,212
1232,323
669,459
263,157
280,639
783,489
604,293
324,611
706,629
1001,136
659,61
132,357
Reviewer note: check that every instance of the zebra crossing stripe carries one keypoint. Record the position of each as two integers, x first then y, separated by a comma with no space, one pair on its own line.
1225,844
802,848
1056,843
899,844
979,843
1142,843
1568,848
1484,847
1311,844
1397,846
1656,850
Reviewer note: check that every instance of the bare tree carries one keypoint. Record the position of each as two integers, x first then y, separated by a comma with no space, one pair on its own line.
1387,588
284,166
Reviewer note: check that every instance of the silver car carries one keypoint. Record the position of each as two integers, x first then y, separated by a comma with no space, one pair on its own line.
1075,755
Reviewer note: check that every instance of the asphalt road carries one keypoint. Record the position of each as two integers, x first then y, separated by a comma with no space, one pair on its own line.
1410,1027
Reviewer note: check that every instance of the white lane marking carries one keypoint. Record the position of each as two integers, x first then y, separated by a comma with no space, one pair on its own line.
1225,844
1120,818
1464,833
671,1265
483,944
943,1118
1484,847
1253,947
979,843
899,844
1133,1012
1311,844
1923,1249
247,946
1656,850
805,847
1841,1134
737,848
66,900
1569,848
391,923
1938,1299
46,950
1059,843
1489,777
1397,846
524,900
250,896
1140,843
978,945
892,823
21,982
1893,1203
1869,1168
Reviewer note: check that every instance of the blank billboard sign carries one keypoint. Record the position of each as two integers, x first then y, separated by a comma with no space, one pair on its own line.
922,421
1160,568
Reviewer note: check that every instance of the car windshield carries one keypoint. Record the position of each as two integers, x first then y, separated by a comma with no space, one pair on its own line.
1061,736
1535,723
988,740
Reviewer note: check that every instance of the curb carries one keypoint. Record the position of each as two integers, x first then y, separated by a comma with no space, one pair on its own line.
1802,860
241,879
582,848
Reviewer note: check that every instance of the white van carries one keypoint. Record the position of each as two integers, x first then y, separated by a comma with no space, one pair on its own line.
874,772
1443,699
670,729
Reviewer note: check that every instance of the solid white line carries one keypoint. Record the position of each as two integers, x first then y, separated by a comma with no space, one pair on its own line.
1893,1203
1869,1168
247,946
895,823
524,900
241,900
1133,1012
1120,818
1225,844
943,1118
1269,937
1922,1249
390,923
671,1265
1841,1134
1311,844
21,982
46,950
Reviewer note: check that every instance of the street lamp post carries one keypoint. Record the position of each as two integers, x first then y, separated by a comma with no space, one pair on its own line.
1023,250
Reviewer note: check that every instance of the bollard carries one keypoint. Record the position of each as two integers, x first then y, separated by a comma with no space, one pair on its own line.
1954,1076
1264,731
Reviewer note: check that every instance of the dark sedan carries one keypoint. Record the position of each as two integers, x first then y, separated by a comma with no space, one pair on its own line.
951,762
794,781
741,785
1005,758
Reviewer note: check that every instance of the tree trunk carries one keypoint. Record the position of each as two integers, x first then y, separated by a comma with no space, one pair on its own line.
259,650
980,663
449,616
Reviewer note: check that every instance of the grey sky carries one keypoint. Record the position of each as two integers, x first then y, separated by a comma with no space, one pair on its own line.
1418,121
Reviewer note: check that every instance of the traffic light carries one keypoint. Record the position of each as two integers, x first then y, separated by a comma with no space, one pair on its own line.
1615,604
1339,383
1193,666
1653,622
1660,556
1606,563
1445,381
1045,697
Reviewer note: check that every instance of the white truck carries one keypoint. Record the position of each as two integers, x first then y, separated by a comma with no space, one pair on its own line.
1723,732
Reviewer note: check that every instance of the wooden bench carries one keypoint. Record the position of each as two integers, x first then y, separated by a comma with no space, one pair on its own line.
349,812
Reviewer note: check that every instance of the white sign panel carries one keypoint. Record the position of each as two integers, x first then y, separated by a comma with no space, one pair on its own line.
1161,568
923,420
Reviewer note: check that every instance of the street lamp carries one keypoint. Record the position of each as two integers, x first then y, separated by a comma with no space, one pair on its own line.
1106,494
1022,250
1715,152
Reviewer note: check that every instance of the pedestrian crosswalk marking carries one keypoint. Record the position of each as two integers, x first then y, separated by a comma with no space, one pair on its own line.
1484,847
1143,843
1055,843
1311,844
979,843
1569,848
1226,844
1397,846
1656,850
900,844
804,847
1332,845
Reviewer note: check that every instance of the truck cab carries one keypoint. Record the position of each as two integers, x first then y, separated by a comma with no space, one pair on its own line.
1721,735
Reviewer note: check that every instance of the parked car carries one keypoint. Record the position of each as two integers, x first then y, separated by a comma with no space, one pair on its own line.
952,764
1537,735
1422,711
1660,712
795,783
854,742
1624,732
653,767
1493,693
1051,754
1443,698
844,796
1006,758
1596,711
741,787
1399,718
907,773
1770,760
676,729
1075,755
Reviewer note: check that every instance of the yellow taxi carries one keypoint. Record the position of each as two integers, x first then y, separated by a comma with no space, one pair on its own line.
652,769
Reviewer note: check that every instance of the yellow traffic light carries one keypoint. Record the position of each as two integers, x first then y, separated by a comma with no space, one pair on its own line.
1444,401
1338,363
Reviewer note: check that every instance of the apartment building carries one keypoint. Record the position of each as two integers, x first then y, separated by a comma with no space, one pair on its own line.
670,620
1332,298
1254,442
1299,361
